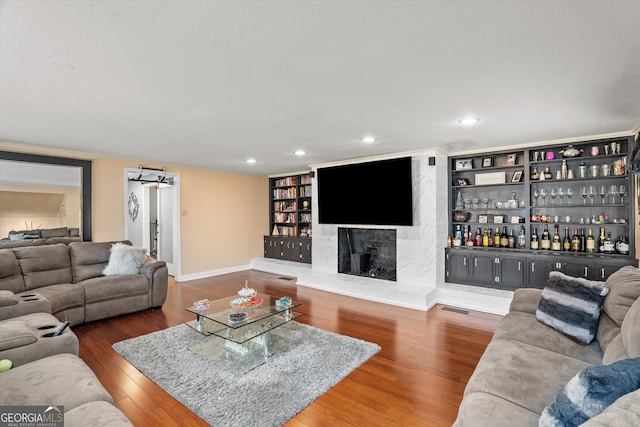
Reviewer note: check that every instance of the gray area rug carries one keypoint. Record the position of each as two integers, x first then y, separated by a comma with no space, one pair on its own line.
268,395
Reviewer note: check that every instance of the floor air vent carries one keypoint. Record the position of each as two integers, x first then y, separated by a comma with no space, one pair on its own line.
285,278
456,310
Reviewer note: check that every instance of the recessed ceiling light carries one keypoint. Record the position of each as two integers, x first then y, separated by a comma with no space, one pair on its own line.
300,152
469,121
368,139
251,161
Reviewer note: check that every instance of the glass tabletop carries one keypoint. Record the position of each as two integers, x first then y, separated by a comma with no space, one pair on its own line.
233,312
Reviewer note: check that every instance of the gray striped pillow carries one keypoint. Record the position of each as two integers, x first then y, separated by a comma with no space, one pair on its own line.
572,305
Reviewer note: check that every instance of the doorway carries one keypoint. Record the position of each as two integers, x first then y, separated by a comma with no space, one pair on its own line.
152,214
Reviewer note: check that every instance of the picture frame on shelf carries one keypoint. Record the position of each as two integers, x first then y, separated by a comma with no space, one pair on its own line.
487,162
461,181
511,159
464,164
498,219
517,176
483,219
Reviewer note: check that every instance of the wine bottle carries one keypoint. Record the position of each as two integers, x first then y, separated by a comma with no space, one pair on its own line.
512,239
566,242
545,242
522,238
478,241
623,246
504,238
601,240
575,241
591,243
583,240
535,244
556,243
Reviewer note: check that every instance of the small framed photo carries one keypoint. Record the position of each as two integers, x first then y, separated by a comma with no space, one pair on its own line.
464,164
511,159
487,162
498,219
515,220
482,219
461,181
517,176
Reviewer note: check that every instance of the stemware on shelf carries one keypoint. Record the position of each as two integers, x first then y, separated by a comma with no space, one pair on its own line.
569,194
585,194
592,192
613,190
561,195
603,193
543,195
536,194
622,191
553,194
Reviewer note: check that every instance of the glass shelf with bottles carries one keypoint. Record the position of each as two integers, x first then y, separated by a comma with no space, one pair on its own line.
512,236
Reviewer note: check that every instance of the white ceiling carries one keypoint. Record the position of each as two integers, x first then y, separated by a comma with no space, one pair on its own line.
212,83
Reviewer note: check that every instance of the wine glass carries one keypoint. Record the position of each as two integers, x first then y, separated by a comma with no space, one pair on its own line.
592,192
536,194
603,192
553,194
561,195
585,194
543,194
569,195
613,190
622,191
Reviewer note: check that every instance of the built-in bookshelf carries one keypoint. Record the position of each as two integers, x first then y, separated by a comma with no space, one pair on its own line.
290,218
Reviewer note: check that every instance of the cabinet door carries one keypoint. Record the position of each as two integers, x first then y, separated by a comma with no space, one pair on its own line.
605,268
271,247
511,273
579,268
305,250
457,267
538,272
290,250
482,270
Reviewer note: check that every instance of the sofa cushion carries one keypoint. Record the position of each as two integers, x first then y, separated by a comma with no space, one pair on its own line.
74,232
88,259
572,305
607,330
7,298
630,331
63,296
624,412
124,259
63,378
114,287
624,290
590,391
45,233
44,265
15,334
10,274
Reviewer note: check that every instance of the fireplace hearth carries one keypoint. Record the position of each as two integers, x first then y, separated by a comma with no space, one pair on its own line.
367,252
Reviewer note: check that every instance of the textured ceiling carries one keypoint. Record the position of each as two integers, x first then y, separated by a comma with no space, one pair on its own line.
212,83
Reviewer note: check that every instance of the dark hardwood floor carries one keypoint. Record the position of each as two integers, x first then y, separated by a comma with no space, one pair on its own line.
417,379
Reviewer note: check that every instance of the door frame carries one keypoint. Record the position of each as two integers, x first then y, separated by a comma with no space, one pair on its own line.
177,260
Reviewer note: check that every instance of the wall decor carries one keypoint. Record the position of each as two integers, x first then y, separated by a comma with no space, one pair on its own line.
487,162
464,164
517,176
511,159
133,207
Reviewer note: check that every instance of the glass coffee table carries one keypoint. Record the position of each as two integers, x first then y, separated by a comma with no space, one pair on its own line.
240,330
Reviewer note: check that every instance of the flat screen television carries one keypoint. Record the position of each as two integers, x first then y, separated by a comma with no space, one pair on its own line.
371,193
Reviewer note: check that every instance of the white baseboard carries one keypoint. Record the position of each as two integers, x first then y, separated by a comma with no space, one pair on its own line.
211,273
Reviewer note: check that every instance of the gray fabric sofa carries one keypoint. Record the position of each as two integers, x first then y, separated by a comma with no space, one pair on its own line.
40,236
527,364
67,281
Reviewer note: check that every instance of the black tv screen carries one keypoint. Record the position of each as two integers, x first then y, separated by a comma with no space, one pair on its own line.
372,193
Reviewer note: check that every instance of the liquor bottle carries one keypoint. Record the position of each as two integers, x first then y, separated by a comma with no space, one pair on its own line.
522,238
545,242
496,238
485,239
504,238
457,237
609,247
622,246
449,243
490,236
591,243
469,237
583,240
478,241
556,243
566,242
512,239
575,241
535,244
601,240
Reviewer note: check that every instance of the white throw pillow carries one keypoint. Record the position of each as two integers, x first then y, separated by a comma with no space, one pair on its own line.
124,259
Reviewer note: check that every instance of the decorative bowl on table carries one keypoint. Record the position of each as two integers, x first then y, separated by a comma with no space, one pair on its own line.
283,302
242,302
201,306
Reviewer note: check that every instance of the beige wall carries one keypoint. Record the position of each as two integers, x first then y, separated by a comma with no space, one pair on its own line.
224,216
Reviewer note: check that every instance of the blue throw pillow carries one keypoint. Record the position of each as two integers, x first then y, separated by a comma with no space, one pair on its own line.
572,306
590,392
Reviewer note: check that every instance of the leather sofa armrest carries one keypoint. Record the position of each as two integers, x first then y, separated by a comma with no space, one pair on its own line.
158,277
525,300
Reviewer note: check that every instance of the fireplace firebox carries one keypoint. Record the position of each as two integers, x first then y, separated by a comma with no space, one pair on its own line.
367,252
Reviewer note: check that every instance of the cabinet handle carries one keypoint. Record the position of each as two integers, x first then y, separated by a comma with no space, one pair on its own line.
586,271
519,265
465,261
496,260
602,272
496,279
533,267
475,262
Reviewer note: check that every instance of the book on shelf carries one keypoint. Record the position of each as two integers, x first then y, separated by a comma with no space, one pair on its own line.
285,182
284,193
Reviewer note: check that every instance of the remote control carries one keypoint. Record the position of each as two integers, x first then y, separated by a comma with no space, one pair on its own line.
61,329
